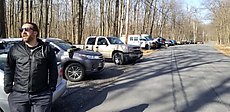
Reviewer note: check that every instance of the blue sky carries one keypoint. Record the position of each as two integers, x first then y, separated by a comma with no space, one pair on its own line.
194,3
202,12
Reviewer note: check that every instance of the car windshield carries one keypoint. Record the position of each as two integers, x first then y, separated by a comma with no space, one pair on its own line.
62,44
115,40
148,38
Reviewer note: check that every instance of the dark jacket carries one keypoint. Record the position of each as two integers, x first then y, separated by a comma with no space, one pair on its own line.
30,71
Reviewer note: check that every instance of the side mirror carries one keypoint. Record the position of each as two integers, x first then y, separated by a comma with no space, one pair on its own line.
71,52
56,50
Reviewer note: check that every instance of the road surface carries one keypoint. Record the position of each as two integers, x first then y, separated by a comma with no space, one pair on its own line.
186,78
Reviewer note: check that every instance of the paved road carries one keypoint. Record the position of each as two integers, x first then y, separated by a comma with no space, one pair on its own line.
186,78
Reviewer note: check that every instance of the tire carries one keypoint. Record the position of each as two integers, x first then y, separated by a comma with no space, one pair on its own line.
147,47
166,45
118,58
74,72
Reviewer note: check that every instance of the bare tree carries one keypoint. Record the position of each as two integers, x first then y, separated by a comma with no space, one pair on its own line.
80,21
46,18
102,16
153,17
41,17
25,10
115,27
2,19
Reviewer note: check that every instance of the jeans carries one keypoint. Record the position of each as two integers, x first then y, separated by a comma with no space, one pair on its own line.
26,102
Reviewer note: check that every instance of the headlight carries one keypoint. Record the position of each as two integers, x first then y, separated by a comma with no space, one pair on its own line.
89,56
130,49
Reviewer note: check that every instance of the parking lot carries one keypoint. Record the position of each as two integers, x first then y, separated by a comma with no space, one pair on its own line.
180,78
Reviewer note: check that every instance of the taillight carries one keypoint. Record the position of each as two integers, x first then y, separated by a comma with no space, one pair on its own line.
61,72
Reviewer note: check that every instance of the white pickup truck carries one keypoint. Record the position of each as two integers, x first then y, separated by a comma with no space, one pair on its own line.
112,48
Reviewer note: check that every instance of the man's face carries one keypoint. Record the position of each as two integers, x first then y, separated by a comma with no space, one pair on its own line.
27,33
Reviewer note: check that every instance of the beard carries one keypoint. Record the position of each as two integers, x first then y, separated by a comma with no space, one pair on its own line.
27,38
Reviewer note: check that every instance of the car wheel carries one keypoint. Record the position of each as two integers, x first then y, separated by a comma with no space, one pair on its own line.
118,58
74,72
147,47
166,45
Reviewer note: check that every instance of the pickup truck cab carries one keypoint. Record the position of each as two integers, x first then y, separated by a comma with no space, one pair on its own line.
113,48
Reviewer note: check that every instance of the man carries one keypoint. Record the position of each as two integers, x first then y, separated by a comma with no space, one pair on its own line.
30,73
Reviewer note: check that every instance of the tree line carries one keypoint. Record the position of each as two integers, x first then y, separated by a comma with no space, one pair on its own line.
74,20
220,15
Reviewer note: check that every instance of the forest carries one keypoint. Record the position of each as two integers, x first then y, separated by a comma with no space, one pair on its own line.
74,20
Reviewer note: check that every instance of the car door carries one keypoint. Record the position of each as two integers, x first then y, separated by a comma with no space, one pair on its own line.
90,44
103,47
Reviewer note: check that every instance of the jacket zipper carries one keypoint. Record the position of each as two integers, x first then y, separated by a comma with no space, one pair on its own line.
31,55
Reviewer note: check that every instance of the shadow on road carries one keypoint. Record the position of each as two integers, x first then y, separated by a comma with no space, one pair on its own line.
138,108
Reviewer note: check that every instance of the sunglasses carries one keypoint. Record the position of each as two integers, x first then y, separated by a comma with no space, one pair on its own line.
25,29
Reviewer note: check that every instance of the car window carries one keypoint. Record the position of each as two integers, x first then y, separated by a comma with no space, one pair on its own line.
135,38
131,38
2,46
91,41
62,44
6,45
115,40
142,39
102,41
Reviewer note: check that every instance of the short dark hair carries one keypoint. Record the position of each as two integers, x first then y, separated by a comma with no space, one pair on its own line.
35,27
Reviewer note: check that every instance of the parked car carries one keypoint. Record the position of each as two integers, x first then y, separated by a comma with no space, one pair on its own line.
169,43
160,41
6,43
149,38
76,62
112,48
4,107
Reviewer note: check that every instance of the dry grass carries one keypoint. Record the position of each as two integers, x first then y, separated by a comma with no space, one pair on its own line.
148,52
225,49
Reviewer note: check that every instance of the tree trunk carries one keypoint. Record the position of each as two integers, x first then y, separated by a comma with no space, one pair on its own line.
146,17
41,17
51,18
153,17
2,19
73,20
46,18
109,18
80,19
121,18
66,22
102,24
135,19
25,10
116,18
